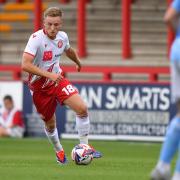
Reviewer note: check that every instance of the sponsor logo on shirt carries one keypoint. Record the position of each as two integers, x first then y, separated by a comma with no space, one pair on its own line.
47,56
57,55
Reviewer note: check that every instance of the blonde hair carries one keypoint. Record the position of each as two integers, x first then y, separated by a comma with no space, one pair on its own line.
53,12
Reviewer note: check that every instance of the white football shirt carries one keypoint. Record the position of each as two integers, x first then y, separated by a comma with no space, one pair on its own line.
46,52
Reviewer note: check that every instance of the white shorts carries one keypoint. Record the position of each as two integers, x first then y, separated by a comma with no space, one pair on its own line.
175,81
17,132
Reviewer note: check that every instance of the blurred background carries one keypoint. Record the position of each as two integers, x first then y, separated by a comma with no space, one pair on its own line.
124,46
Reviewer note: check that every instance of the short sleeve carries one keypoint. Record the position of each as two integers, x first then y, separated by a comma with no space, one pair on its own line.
17,119
32,45
176,5
67,43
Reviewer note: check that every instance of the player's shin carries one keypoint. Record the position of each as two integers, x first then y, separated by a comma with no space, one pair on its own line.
176,175
172,139
170,145
83,125
54,139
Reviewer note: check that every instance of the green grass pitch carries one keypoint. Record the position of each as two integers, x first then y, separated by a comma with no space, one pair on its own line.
34,159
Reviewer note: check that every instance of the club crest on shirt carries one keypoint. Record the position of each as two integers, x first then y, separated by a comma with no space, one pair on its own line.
60,44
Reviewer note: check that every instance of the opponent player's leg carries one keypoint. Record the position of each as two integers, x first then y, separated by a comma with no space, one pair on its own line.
172,140
52,134
170,145
176,175
168,150
162,169
76,103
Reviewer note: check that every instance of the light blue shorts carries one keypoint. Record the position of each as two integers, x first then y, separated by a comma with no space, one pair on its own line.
175,70
175,50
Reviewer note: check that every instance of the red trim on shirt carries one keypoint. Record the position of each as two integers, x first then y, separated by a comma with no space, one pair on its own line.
30,54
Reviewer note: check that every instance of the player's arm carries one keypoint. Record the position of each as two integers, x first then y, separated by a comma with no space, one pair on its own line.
172,15
28,66
71,53
171,18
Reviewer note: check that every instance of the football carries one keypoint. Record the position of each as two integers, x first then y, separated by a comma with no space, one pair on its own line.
82,154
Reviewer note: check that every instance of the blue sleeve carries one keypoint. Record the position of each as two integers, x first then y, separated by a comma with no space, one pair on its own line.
176,5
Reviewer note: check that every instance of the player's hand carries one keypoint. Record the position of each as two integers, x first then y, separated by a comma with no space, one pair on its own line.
78,67
56,77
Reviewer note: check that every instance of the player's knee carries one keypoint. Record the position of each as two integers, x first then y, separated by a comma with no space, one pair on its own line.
82,111
50,126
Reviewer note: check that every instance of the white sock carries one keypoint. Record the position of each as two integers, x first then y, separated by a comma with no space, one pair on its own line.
163,167
54,139
176,176
83,126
